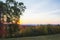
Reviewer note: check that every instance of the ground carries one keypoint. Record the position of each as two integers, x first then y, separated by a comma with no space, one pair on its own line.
43,37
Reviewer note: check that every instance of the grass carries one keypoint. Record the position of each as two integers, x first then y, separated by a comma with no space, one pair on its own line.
43,37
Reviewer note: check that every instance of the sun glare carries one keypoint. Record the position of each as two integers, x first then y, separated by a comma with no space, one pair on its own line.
19,21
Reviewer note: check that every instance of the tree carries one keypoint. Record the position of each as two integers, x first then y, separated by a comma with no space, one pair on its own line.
12,10
2,9
15,9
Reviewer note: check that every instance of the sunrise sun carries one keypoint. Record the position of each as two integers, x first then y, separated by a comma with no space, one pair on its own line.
19,21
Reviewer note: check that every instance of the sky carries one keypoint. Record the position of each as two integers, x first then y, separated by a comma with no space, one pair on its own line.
41,12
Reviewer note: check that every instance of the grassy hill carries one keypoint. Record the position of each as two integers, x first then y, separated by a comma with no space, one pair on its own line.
43,37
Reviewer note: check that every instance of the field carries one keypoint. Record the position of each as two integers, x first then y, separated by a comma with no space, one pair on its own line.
43,37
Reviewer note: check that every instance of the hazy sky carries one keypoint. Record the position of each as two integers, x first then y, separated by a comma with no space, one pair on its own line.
41,12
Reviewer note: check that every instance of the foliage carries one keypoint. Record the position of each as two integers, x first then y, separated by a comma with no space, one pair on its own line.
40,30
10,12
11,9
33,30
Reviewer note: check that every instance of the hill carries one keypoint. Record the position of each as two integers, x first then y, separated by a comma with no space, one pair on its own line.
44,37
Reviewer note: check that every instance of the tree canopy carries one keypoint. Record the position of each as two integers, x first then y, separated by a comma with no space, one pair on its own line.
12,9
